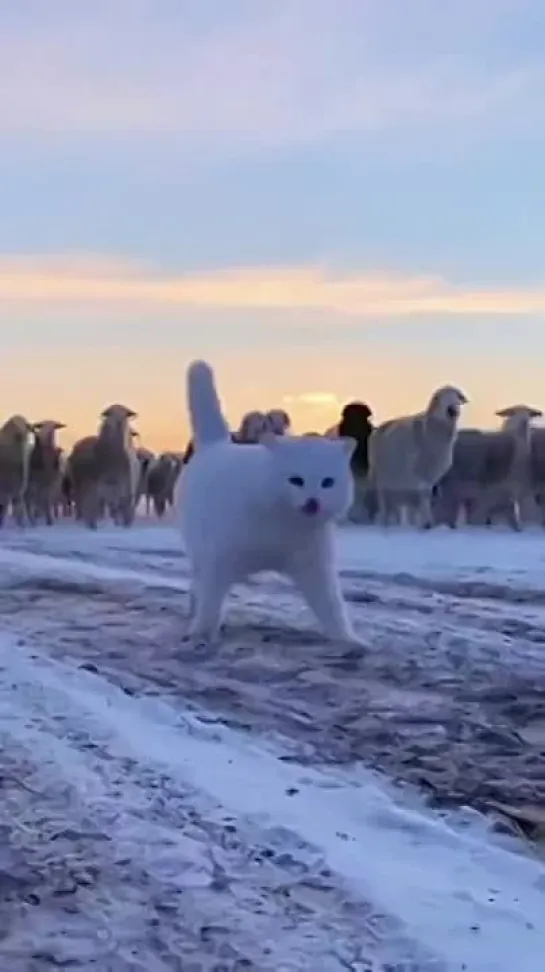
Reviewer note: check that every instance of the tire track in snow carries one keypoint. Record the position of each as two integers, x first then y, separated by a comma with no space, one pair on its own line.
169,875
219,863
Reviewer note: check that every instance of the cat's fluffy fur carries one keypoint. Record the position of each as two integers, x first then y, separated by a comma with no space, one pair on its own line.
250,508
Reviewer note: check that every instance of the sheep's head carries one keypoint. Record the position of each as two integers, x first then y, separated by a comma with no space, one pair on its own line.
518,416
45,431
355,421
16,429
118,413
356,410
115,424
446,404
278,421
252,427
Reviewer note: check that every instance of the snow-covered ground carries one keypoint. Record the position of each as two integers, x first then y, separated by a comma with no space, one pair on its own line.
164,809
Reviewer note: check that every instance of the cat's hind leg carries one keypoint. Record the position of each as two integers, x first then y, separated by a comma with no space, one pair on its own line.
318,582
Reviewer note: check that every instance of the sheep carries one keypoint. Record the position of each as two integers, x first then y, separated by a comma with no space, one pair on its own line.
145,459
46,470
14,466
177,463
252,427
491,471
459,488
161,481
278,421
355,423
104,469
409,455
67,497
537,470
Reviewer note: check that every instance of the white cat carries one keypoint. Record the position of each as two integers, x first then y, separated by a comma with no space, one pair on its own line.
250,508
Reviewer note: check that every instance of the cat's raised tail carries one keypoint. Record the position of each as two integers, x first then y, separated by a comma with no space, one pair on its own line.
208,425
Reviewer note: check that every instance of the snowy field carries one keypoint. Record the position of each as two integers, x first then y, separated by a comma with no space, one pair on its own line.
261,807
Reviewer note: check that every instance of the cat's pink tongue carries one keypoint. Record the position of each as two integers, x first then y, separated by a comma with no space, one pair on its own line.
311,507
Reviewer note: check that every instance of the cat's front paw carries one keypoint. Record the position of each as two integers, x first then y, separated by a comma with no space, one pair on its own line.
200,645
346,636
352,641
200,636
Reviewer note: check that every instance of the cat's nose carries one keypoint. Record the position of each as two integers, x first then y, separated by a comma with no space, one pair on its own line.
311,507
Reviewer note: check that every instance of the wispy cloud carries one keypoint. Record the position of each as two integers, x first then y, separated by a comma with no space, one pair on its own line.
318,399
118,285
265,73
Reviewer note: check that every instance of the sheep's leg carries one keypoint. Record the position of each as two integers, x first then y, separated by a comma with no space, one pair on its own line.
513,514
89,509
388,507
423,511
159,504
448,511
19,512
370,504
126,512
483,508
48,511
540,504
30,513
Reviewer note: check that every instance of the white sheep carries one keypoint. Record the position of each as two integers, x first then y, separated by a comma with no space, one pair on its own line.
46,469
507,472
278,421
409,455
105,469
14,466
252,427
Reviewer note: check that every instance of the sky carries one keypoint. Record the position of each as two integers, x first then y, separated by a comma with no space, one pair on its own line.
327,199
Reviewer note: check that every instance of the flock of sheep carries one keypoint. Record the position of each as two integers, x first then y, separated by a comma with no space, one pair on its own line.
420,467
424,466
106,474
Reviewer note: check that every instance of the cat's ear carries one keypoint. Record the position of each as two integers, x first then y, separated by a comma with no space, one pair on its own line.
269,440
348,445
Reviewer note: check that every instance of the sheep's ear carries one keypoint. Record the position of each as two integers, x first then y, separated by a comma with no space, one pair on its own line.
506,412
464,400
131,414
536,413
348,445
36,426
60,425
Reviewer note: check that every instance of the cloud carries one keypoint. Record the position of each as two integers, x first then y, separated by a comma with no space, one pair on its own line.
318,399
120,286
262,74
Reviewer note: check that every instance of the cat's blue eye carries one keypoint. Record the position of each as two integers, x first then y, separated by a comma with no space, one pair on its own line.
328,482
296,481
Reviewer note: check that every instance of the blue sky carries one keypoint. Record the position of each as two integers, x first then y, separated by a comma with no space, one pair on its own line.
327,199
